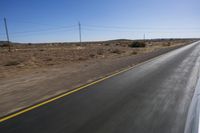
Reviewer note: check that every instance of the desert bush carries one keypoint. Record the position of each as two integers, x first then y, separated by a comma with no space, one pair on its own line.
82,58
12,63
41,50
100,52
48,59
134,53
137,44
5,45
107,44
167,44
92,55
116,51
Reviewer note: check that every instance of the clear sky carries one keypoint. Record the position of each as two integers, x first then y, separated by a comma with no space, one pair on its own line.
57,20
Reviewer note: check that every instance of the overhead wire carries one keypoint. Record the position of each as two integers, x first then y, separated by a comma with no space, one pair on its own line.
139,28
106,28
69,27
30,22
45,30
146,31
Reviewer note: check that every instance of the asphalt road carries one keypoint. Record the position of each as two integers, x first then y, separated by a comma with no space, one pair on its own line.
151,98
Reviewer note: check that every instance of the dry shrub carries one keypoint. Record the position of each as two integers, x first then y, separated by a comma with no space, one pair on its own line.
117,51
134,52
6,45
137,44
92,55
107,44
41,50
81,59
167,44
12,63
48,59
100,52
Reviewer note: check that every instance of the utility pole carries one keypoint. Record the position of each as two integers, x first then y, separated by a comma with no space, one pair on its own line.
7,35
80,37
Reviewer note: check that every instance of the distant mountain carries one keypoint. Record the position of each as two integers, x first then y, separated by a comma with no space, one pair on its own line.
120,40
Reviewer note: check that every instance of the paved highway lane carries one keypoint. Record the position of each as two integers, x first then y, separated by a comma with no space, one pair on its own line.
151,98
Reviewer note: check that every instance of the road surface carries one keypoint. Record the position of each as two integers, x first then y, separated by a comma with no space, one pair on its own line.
153,97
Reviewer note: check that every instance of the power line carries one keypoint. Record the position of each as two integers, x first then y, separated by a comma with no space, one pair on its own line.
42,32
107,26
104,28
139,28
136,30
47,29
92,29
34,23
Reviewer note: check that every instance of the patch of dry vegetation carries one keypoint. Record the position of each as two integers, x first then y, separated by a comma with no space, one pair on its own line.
32,56
137,44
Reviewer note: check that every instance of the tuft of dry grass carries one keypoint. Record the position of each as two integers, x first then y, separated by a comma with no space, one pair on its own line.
134,52
12,63
137,45
100,52
166,44
117,51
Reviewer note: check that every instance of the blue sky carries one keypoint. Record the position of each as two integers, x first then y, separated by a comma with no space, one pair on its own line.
57,20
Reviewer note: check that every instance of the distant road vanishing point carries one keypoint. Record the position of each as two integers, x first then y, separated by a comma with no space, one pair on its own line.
153,97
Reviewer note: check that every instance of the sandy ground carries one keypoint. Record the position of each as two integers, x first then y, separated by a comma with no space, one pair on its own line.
31,74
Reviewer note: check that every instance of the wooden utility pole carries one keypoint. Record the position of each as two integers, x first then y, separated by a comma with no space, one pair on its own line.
144,37
80,37
7,35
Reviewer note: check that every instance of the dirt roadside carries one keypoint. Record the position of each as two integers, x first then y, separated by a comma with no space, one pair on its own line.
25,88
